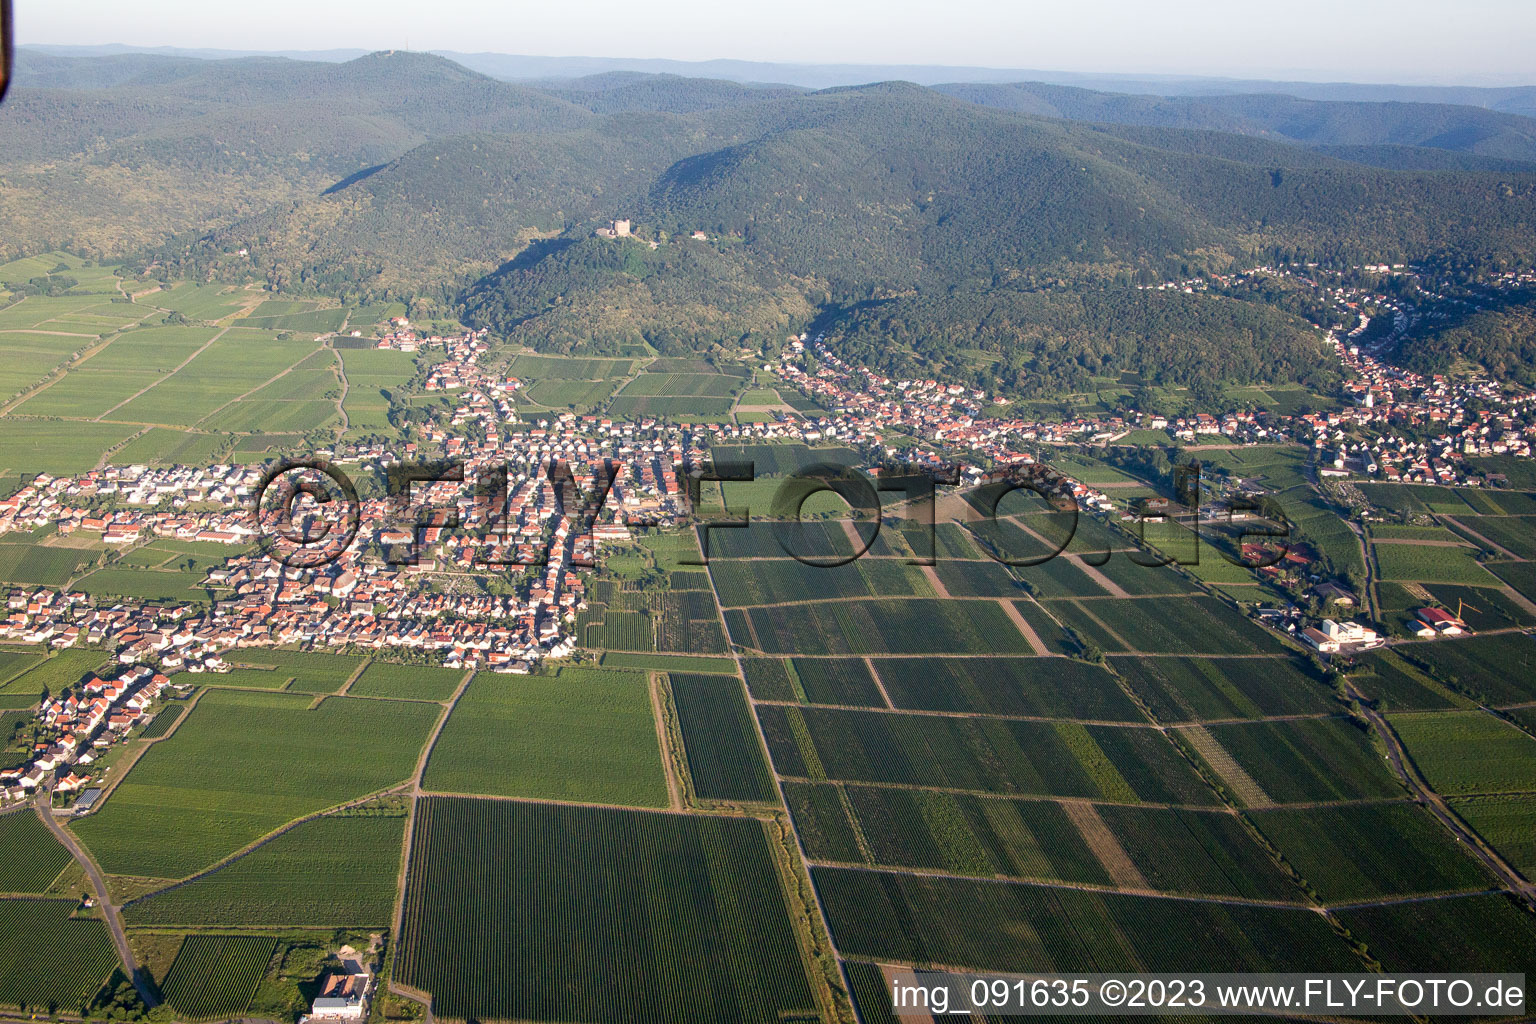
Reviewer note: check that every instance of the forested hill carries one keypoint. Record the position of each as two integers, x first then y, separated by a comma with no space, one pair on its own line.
1440,126
887,210
955,219
165,145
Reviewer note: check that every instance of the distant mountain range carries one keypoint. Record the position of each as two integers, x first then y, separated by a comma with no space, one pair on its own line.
1515,99
917,223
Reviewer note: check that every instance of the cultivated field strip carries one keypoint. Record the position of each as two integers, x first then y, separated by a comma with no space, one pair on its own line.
1224,765
78,953
214,976
525,911
30,857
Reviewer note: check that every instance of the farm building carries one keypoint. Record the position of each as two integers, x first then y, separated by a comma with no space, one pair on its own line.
1442,621
343,996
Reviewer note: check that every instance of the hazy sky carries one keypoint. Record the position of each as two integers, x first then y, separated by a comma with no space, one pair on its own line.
1469,41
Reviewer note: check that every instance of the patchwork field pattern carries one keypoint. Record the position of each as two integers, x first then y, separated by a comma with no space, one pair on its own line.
1011,926
243,764
337,871
583,734
30,857
79,952
725,760
615,900
214,976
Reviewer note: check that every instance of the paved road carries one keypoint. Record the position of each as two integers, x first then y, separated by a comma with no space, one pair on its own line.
109,912
1408,772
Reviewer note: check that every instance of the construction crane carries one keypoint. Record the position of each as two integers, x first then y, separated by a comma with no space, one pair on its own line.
1460,604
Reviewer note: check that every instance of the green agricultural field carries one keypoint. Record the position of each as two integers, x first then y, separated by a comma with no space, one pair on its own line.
680,385
978,579
823,822
86,393
1330,535
160,446
30,858
1516,534
582,734
1144,580
66,668
215,976
47,446
725,760
163,721
1388,678
670,662
1009,926
15,660
1500,503
870,993
1117,764
41,564
1036,553
201,302
615,630
1319,759
1393,531
209,552
769,679
892,626
764,498
1196,689
245,678
579,395
240,361
31,356
815,540
372,376
315,321
311,671
332,872
949,541
562,368
1508,822
1196,852
1466,752
1367,852
785,579
683,410
406,682
51,961
1495,668
1521,576
243,764
28,267
1418,563
145,584
1195,625
845,681
960,834
1415,498
1470,933
147,350
1035,687
69,313
256,413
1047,627
594,911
